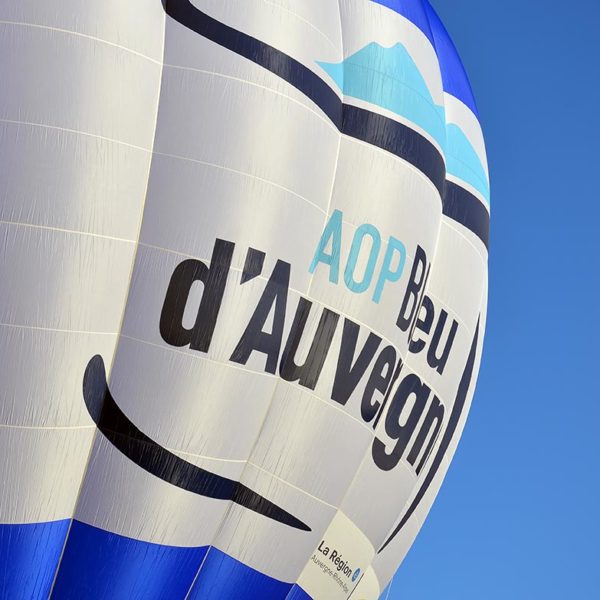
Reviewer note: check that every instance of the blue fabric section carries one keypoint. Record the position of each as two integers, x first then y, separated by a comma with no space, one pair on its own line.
454,76
224,578
413,10
461,159
463,162
29,555
98,565
298,593
389,78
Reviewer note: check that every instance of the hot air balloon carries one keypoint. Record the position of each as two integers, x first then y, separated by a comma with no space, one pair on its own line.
243,293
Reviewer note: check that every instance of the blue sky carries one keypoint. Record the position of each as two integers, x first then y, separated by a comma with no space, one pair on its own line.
517,517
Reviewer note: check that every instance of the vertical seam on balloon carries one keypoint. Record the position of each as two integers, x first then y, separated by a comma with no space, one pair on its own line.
365,457
312,278
440,437
133,262
227,512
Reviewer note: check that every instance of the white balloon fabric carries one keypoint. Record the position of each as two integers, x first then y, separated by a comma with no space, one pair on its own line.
244,282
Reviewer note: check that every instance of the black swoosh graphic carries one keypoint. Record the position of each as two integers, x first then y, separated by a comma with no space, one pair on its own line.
457,410
161,463
373,128
268,57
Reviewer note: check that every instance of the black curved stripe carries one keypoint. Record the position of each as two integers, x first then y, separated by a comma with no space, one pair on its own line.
268,57
457,410
161,463
465,208
397,138
358,123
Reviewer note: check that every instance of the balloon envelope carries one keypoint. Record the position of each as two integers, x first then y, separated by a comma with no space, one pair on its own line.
244,282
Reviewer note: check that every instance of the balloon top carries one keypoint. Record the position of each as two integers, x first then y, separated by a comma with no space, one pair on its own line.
454,77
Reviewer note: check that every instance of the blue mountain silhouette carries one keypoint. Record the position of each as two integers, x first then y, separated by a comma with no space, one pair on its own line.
390,79
463,162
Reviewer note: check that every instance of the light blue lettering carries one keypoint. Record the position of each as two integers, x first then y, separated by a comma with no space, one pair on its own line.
333,234
367,230
387,274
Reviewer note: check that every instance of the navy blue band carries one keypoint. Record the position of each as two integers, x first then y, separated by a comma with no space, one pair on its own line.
465,208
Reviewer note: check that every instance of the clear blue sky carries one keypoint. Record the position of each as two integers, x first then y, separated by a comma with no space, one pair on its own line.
517,517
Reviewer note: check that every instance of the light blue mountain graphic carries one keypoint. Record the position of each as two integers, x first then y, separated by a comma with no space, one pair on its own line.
390,79
463,162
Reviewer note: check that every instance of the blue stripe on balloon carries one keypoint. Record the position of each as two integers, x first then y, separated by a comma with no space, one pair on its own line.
98,565
454,77
463,162
225,578
413,11
463,207
29,555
